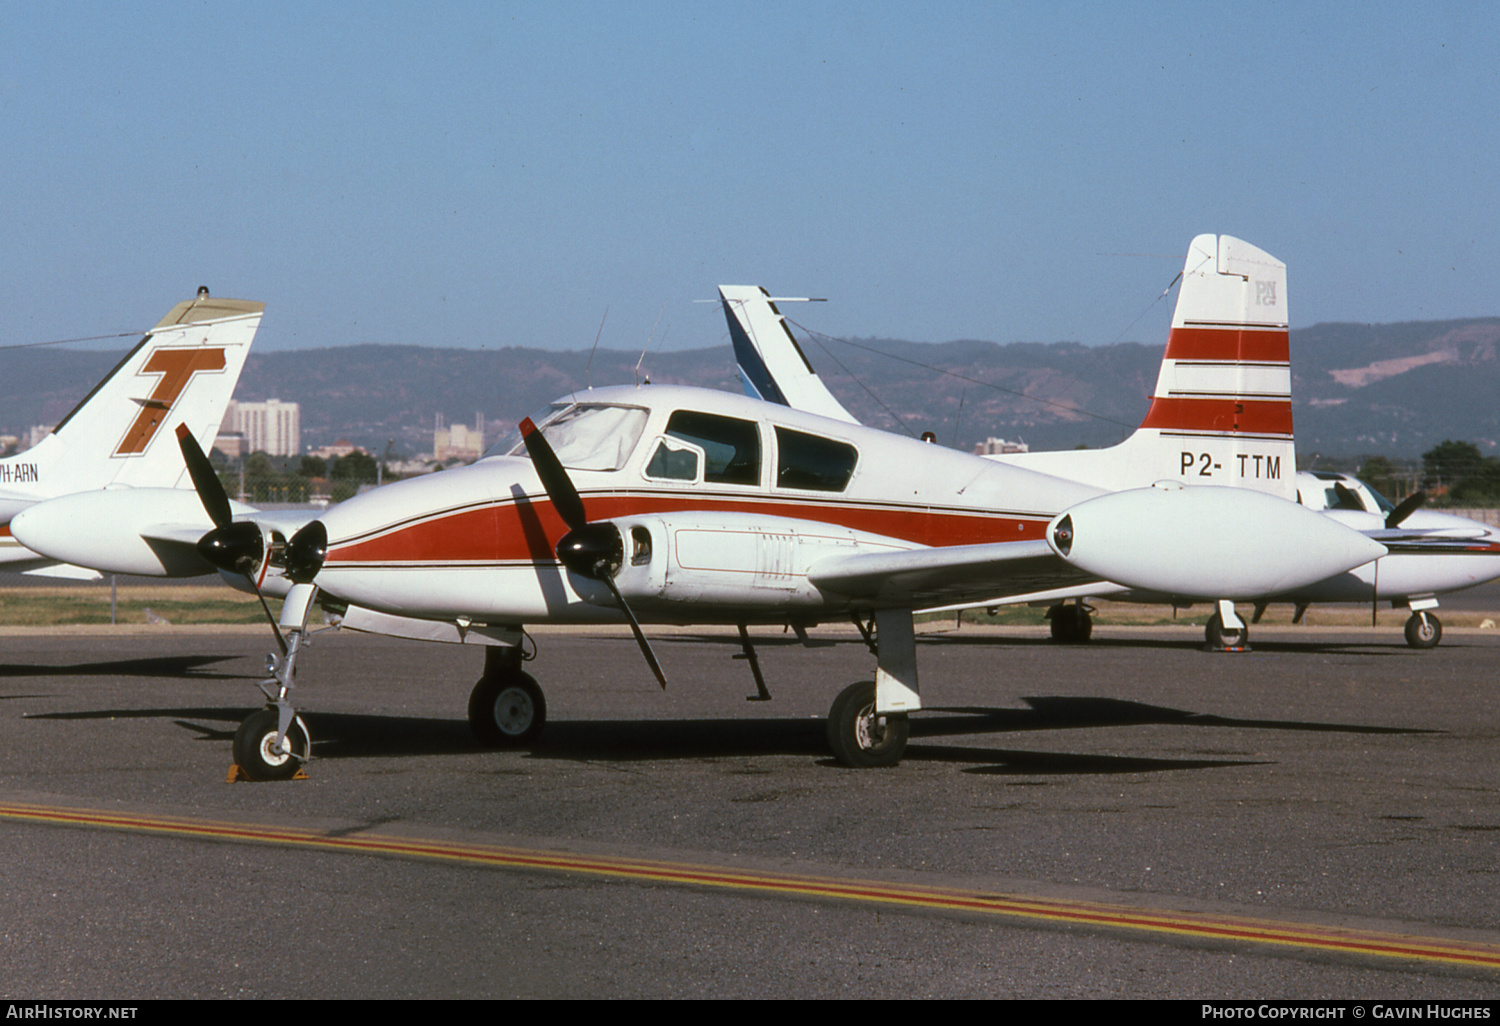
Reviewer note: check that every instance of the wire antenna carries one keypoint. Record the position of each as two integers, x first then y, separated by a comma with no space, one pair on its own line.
588,366
648,346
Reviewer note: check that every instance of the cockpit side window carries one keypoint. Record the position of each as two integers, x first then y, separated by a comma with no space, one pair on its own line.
731,447
812,462
674,460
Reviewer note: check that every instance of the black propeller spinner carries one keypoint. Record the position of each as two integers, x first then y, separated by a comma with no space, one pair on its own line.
591,550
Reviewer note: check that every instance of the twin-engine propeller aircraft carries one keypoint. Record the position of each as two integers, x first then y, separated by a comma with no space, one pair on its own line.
671,505
660,504
184,371
1221,414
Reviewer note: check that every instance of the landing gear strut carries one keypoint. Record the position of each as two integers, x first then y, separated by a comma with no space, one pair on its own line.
272,743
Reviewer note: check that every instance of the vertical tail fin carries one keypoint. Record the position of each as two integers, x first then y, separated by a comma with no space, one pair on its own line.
1224,395
1221,413
183,370
771,364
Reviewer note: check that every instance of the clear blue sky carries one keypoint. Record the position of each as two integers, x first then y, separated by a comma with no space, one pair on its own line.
494,174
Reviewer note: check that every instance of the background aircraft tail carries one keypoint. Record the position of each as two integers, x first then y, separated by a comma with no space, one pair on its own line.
771,364
183,371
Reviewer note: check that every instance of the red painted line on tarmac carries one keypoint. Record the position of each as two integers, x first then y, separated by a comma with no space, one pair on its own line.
1198,926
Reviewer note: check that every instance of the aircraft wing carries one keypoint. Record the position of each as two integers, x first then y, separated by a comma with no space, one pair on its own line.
922,578
1436,540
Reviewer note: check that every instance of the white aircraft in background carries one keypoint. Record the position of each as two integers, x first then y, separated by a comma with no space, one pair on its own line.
184,371
672,505
1221,415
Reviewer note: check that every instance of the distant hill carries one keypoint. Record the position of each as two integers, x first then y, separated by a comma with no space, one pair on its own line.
1396,389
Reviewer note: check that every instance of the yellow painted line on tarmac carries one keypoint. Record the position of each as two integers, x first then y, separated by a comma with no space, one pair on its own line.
1188,925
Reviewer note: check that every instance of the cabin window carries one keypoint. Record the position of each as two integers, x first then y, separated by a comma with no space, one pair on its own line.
730,447
812,462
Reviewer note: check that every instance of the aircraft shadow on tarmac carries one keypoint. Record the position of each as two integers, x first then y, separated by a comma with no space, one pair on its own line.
1357,646
160,666
374,736
1380,646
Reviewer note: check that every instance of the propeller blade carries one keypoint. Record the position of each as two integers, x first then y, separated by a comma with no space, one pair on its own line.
1404,509
205,482
270,618
640,636
236,547
1347,498
589,550
554,478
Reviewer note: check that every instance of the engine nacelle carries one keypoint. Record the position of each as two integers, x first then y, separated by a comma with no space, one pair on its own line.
1206,543
106,530
699,559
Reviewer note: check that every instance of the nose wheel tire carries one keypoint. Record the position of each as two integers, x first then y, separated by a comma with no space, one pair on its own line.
507,710
1423,631
255,749
858,737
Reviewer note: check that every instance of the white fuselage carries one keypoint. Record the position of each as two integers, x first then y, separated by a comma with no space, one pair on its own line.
729,509
477,542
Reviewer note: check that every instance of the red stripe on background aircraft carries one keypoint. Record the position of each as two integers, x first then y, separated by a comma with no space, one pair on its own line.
672,505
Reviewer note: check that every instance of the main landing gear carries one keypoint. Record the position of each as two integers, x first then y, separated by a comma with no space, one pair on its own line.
1072,623
867,725
859,736
506,707
1423,630
1225,631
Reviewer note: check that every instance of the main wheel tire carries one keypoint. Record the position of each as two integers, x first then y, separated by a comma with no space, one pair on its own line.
858,737
1071,625
253,747
507,710
1217,636
1423,631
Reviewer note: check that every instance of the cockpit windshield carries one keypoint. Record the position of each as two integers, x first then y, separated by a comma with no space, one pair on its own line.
585,436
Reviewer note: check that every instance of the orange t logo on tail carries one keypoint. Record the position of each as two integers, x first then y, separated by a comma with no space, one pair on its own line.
176,367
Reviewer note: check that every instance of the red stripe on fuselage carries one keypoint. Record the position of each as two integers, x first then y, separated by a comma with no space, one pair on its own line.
529,530
1244,416
1235,345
